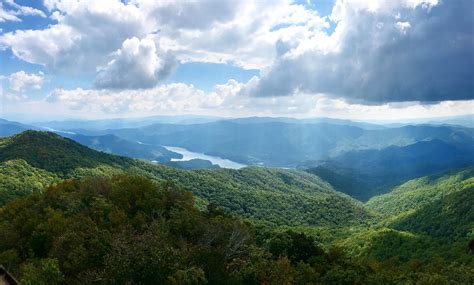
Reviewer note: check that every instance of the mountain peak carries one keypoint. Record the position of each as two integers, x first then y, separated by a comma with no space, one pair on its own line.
52,152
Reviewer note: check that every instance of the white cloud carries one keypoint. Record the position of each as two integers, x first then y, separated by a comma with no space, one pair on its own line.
21,81
16,10
85,34
246,36
243,33
228,100
383,51
380,51
20,10
138,64
6,15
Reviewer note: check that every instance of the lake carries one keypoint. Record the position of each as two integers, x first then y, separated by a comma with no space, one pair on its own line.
188,155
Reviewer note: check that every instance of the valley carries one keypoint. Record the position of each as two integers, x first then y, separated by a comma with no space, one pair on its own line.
189,155
405,199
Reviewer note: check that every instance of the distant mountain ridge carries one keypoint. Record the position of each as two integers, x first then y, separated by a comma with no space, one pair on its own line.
284,144
366,173
116,145
8,128
270,196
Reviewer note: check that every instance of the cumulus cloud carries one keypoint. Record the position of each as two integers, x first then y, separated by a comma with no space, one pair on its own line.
226,31
380,51
21,81
7,15
176,97
14,10
227,100
195,15
383,51
138,64
85,34
242,33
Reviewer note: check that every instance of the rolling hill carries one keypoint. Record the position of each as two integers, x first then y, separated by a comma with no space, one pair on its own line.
365,173
271,196
394,238
422,193
286,143
421,220
8,128
115,145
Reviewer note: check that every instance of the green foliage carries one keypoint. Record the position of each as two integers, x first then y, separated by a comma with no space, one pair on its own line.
52,152
18,178
119,230
123,222
345,181
41,272
438,205
296,246
451,217
131,230
275,196
420,192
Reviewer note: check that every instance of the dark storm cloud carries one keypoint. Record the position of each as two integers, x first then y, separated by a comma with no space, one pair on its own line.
421,54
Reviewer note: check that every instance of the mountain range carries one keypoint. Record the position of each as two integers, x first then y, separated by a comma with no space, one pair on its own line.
413,221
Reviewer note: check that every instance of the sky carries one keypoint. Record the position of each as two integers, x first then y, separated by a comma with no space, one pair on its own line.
351,59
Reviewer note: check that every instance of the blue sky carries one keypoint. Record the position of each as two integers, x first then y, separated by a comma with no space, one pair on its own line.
356,59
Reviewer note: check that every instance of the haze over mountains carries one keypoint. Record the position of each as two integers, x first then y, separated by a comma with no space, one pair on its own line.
382,155
324,200
288,212
369,157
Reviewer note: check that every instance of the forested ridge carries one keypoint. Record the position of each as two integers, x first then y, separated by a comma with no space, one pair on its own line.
273,196
107,219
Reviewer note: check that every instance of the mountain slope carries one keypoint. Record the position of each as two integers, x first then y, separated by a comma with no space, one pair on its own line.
438,205
115,145
420,219
53,153
8,128
285,143
365,173
449,217
269,143
272,196
344,180
421,192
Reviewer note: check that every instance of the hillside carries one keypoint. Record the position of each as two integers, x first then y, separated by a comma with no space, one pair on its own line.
272,196
424,219
286,143
419,193
130,230
365,173
115,145
54,153
345,180
8,128
395,237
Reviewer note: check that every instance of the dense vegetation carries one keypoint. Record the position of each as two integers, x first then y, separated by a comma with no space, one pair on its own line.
428,216
131,224
273,196
192,164
345,180
419,193
119,146
130,230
